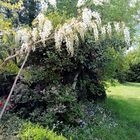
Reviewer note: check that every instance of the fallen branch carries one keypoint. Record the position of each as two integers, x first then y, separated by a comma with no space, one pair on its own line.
14,84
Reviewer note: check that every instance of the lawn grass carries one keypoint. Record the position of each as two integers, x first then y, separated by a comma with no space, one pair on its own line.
124,101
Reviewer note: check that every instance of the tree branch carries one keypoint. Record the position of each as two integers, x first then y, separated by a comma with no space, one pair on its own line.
14,84
7,59
18,52
75,81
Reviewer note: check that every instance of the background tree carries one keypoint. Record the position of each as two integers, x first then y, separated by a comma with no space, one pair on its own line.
133,58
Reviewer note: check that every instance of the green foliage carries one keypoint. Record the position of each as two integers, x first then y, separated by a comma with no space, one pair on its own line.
11,6
119,10
46,106
10,68
133,58
7,75
116,119
18,129
56,18
49,97
10,125
65,11
123,99
133,75
36,132
45,91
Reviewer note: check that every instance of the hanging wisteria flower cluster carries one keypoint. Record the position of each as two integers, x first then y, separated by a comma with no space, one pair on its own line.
133,3
72,31
96,2
44,4
27,37
90,21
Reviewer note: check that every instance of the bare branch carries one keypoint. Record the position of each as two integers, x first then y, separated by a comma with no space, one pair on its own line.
14,84
75,81
8,58
18,52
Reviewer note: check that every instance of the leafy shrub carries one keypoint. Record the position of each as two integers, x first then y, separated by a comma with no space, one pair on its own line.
97,121
10,125
133,74
49,95
2,102
36,132
46,106
133,57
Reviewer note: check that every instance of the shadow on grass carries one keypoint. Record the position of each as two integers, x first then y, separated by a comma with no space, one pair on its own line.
137,85
125,110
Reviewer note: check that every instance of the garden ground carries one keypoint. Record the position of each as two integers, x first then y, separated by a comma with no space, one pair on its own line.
123,101
118,118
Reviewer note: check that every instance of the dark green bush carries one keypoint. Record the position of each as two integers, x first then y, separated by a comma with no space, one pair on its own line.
133,74
53,84
133,57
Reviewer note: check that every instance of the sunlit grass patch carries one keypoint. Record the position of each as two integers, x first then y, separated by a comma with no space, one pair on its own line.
125,100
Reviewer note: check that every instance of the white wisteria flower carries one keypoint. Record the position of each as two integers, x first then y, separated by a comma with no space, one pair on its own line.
22,36
47,28
133,3
53,3
103,31
127,36
81,3
34,34
97,17
81,28
44,5
72,31
69,38
24,48
76,40
58,36
18,37
87,16
41,19
95,31
117,27
70,45
98,2
122,24
46,31
109,29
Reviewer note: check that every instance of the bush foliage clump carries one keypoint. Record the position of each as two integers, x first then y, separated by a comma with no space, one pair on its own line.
36,132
